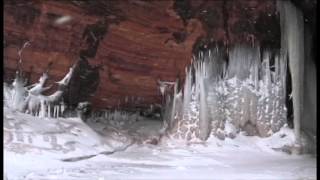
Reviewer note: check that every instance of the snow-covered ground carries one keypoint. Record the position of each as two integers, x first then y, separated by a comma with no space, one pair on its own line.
67,148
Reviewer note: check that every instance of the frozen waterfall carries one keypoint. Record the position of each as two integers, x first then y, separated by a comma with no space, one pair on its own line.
247,95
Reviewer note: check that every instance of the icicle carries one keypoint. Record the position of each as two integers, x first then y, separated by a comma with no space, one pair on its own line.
54,111
49,110
57,111
187,90
267,75
42,109
62,107
204,121
277,69
67,77
173,111
18,94
292,44
196,66
162,89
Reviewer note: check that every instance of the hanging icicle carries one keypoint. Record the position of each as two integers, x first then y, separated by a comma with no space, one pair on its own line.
292,47
246,94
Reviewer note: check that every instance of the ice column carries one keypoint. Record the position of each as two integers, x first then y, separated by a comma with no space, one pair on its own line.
292,45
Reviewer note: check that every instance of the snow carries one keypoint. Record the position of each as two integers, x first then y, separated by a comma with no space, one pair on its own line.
35,147
62,20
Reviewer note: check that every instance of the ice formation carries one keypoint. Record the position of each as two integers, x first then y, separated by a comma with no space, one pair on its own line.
246,94
30,99
292,47
220,99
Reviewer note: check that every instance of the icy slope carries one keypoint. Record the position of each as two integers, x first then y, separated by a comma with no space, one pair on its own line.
58,138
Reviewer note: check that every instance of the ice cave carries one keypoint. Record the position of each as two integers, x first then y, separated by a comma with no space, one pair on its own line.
159,89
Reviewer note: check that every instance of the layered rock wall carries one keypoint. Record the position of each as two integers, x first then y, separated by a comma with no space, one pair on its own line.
127,45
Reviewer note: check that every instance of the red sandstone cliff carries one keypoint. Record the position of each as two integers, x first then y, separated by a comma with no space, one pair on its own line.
133,43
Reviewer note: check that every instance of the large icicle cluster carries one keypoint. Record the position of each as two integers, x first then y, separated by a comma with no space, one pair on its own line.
221,99
31,100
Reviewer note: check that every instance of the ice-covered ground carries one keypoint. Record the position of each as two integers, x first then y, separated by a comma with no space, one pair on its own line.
41,148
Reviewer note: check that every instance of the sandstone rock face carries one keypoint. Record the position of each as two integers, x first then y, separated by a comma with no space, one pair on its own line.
125,47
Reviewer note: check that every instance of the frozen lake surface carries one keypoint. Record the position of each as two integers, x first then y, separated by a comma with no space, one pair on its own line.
34,148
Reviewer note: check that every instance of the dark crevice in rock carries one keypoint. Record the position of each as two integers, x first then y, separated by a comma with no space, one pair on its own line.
267,28
209,17
179,37
92,35
83,83
183,9
105,8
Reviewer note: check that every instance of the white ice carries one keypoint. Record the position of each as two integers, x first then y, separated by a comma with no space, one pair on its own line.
34,148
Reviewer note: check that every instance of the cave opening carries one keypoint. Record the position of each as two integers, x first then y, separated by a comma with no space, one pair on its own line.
158,89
